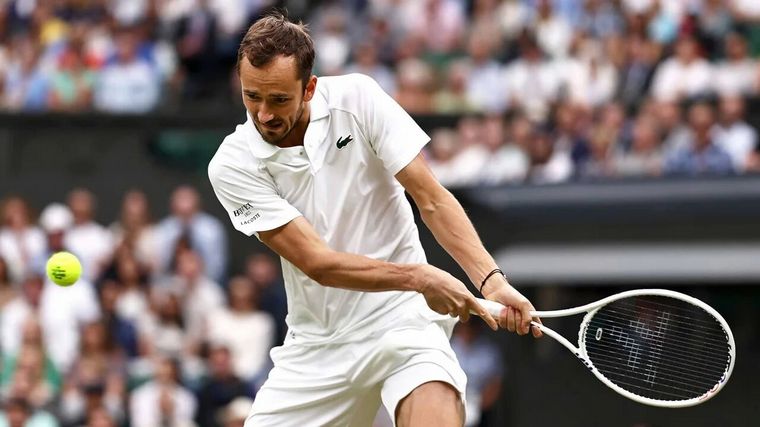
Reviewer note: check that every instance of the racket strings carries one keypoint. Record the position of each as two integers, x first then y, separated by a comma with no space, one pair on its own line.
658,347
704,352
708,332
672,365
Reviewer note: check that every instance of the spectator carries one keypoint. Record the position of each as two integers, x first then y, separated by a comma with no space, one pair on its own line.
505,162
119,329
452,98
219,389
247,331
481,360
203,232
600,163
533,83
26,86
130,84
637,72
554,33
331,39
734,135
31,366
162,332
7,289
163,400
547,165
702,155
715,22
485,87
366,61
132,302
18,412
414,89
97,377
440,24
265,273
135,232
21,242
442,152
645,157
675,133
200,295
737,74
87,239
236,412
197,32
72,83
684,76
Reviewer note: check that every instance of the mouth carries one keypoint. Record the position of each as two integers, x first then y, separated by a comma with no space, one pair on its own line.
271,126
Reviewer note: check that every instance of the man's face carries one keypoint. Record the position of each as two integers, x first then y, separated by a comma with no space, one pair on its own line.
274,96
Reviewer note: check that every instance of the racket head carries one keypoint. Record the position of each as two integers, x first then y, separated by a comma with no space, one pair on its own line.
658,347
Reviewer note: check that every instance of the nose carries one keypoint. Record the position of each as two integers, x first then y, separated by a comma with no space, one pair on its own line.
264,116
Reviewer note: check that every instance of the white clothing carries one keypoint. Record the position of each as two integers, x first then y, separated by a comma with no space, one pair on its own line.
343,384
128,88
739,140
62,312
674,80
249,336
21,250
486,89
533,86
736,77
198,300
347,192
144,408
92,244
343,347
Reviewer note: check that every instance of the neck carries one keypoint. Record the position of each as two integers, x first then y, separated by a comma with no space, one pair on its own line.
296,135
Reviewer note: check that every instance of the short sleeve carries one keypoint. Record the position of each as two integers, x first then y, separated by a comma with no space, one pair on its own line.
392,133
251,200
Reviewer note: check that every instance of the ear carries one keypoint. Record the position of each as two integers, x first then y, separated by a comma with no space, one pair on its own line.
311,86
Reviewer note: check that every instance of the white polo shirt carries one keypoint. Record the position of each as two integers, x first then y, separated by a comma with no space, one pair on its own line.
342,181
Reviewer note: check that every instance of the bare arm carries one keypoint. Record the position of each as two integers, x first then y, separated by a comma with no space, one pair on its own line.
298,242
448,222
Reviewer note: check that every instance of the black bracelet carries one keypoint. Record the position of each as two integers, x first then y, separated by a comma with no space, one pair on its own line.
494,271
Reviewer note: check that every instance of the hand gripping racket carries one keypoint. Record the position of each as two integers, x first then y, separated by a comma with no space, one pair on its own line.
654,346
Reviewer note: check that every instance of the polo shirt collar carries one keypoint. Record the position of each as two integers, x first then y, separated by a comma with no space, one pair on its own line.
315,132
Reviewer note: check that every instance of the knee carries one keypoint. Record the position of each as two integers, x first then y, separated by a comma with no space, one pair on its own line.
433,403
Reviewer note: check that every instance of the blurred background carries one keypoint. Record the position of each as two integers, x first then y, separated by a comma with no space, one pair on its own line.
597,145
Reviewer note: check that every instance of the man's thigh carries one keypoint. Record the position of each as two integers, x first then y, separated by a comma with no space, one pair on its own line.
431,371
313,387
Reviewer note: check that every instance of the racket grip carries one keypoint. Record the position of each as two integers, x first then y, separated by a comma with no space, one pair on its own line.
493,307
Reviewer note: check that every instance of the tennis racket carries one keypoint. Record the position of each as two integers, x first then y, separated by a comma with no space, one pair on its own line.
654,346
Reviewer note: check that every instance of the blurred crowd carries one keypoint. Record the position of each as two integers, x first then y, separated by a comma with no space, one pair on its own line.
549,90
154,333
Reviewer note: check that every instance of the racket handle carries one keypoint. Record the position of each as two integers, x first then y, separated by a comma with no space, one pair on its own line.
494,308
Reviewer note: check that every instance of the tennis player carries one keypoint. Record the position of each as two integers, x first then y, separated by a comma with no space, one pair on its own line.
318,173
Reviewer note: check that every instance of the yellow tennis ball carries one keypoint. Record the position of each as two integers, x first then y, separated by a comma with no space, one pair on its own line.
64,269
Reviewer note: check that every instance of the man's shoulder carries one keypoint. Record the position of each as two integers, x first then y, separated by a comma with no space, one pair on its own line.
233,153
349,92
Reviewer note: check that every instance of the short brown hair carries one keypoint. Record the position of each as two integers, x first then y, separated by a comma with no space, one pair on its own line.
274,35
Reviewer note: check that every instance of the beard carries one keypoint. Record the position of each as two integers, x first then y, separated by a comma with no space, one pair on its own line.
275,139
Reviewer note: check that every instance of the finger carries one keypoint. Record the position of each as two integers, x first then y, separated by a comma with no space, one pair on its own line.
536,330
503,318
464,313
519,325
510,319
483,314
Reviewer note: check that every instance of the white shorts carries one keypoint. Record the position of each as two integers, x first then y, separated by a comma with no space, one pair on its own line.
344,384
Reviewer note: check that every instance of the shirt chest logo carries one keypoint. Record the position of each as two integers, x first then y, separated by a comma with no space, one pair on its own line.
343,141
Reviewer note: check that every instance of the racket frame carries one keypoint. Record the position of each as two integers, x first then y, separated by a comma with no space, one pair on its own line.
580,350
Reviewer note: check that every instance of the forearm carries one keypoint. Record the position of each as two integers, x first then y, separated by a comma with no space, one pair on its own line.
451,227
298,243
360,273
